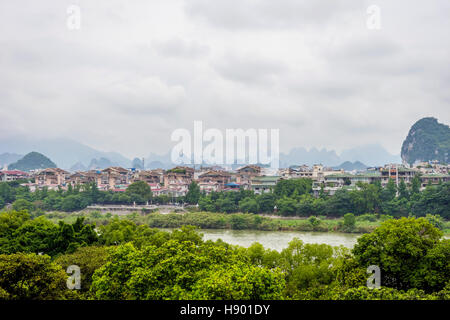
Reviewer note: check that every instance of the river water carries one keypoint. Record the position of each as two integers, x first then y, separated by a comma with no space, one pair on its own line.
278,240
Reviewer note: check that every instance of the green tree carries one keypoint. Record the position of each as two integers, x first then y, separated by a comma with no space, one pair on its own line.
349,222
88,259
403,190
193,194
22,204
28,276
141,189
248,205
291,187
389,191
178,269
266,202
415,184
287,206
399,248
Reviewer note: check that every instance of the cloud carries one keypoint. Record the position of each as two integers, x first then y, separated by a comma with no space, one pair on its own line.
248,14
135,72
140,96
177,47
248,68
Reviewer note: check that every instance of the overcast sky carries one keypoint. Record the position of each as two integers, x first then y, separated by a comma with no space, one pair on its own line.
137,70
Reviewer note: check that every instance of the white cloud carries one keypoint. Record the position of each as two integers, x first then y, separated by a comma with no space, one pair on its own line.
135,72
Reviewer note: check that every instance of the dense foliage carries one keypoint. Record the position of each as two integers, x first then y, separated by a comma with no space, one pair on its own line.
129,261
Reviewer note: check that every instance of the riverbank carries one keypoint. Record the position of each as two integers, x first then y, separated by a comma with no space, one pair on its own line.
235,221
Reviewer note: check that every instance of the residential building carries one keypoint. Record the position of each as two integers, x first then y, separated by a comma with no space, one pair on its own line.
51,177
12,175
263,184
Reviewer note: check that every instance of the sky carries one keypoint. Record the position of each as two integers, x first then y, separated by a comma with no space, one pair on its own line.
135,71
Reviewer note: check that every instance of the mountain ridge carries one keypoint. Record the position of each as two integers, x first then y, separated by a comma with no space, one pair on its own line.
427,140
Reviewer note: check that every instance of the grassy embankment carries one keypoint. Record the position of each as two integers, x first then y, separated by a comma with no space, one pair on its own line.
236,221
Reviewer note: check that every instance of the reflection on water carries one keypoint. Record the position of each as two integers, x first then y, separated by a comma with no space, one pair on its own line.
278,240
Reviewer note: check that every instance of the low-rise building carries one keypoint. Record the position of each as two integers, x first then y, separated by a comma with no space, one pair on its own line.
213,180
264,184
245,174
13,175
51,177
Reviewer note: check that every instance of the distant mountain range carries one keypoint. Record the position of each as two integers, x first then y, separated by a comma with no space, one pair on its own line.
427,140
370,155
74,156
8,158
64,152
351,166
363,156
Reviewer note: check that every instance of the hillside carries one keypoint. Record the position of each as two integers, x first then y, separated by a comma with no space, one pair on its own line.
427,140
31,161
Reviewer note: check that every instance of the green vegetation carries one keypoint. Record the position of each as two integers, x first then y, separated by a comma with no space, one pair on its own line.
427,140
32,161
130,261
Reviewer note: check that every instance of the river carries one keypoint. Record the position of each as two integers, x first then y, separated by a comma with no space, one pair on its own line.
278,240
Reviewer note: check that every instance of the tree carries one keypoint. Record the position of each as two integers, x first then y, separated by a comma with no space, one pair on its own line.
287,206
314,221
399,248
291,187
36,236
22,204
240,282
415,184
193,194
28,276
266,202
140,188
248,205
389,191
6,192
403,190
73,203
307,268
88,259
225,205
179,268
349,222
340,203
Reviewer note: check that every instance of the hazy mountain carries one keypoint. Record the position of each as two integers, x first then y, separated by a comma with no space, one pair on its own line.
314,156
137,163
78,167
65,152
350,166
427,140
101,163
371,155
31,161
8,158
156,161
